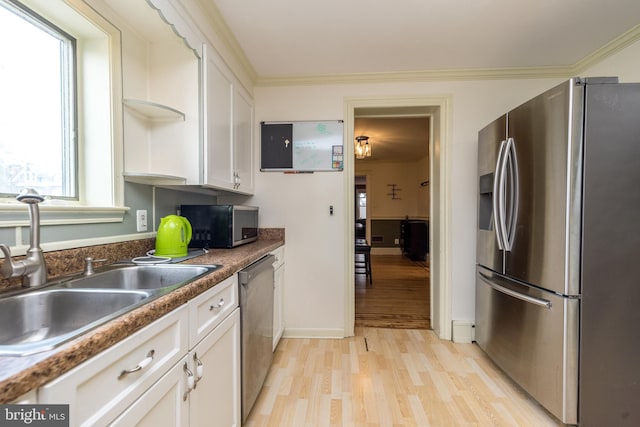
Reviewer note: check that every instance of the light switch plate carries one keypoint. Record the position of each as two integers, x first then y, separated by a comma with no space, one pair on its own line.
141,220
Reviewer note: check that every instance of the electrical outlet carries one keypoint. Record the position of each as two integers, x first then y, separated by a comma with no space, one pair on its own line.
141,220
396,241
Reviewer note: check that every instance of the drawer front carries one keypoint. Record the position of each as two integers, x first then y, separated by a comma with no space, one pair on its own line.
162,405
98,390
211,307
30,397
279,254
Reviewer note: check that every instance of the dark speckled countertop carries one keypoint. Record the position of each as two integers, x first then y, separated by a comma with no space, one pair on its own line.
19,375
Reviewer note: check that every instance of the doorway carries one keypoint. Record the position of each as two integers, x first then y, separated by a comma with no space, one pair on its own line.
438,109
397,295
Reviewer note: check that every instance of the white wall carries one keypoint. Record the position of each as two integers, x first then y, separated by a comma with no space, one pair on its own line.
405,175
315,251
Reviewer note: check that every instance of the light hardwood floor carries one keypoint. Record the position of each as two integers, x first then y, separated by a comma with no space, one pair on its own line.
389,377
399,297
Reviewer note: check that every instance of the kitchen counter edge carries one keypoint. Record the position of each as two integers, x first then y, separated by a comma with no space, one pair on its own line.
20,375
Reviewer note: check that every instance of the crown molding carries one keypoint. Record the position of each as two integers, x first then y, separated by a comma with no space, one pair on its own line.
616,45
234,48
413,76
227,37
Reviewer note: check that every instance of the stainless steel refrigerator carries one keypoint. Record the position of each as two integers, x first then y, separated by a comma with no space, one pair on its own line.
558,249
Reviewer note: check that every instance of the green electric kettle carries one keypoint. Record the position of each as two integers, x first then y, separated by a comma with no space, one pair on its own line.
174,235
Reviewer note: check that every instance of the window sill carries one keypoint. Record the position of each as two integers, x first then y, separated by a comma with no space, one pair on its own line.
16,214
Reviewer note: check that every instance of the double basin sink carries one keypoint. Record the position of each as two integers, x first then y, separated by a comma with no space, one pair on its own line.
33,321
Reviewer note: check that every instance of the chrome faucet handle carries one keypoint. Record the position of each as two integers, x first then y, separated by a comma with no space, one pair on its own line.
6,269
88,265
9,268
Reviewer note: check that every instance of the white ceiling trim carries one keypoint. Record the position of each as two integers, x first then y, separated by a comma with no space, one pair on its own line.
233,47
611,48
412,76
607,50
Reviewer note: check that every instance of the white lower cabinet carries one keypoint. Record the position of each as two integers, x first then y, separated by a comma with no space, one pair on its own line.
27,398
99,390
162,405
165,374
215,400
278,296
203,389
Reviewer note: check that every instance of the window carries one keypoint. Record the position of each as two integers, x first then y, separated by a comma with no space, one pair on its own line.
37,106
362,205
73,120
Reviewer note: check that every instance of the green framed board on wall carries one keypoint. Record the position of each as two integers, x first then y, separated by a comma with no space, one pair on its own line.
303,146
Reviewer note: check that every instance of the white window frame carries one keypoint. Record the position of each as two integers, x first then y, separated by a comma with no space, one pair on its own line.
64,93
100,134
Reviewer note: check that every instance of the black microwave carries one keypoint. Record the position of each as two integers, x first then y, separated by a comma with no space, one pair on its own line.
221,226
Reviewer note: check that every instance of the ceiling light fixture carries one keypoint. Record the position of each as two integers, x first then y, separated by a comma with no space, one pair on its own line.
362,147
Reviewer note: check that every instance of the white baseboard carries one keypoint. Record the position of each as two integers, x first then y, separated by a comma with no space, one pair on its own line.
463,331
313,333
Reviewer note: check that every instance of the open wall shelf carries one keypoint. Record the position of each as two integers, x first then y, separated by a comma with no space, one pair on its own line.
153,111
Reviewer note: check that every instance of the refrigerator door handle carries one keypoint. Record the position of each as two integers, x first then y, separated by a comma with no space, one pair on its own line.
514,195
501,226
498,192
526,298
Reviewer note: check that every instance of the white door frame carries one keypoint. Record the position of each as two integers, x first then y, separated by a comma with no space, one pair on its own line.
439,109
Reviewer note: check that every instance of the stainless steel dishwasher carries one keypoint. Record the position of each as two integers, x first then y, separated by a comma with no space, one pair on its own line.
256,326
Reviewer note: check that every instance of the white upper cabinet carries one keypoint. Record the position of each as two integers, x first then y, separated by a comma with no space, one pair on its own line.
187,119
228,127
243,140
218,121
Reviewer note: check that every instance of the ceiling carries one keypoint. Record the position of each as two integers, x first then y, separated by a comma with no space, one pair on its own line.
294,38
394,139
312,39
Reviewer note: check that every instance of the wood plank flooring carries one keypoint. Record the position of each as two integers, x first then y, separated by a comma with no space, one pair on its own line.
389,377
399,297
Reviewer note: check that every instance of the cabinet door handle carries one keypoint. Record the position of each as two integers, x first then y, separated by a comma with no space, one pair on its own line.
199,369
190,382
140,366
220,304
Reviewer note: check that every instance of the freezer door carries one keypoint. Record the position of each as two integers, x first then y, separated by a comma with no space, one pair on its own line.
490,139
533,336
547,132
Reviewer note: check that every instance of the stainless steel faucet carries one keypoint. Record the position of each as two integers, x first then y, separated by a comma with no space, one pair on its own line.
33,268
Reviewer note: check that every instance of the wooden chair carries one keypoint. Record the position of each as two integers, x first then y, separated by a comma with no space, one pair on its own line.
363,259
